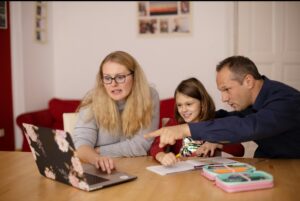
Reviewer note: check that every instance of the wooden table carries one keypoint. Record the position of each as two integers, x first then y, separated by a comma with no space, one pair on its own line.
20,180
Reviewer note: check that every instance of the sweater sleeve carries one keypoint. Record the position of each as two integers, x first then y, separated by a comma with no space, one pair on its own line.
155,149
137,145
85,132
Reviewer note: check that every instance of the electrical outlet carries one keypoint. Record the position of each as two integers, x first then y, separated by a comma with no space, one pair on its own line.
2,132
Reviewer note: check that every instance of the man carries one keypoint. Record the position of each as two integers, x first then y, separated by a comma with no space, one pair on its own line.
266,111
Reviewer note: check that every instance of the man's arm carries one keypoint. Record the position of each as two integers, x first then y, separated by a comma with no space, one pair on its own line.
275,118
169,135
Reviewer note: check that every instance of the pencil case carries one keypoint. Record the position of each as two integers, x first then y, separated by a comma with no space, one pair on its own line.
236,182
211,171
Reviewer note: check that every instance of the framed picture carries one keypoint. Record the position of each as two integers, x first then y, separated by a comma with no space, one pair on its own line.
41,22
164,18
3,15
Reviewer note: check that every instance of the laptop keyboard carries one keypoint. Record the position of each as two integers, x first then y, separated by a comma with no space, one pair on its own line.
92,179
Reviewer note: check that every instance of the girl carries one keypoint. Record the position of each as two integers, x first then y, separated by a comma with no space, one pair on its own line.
193,104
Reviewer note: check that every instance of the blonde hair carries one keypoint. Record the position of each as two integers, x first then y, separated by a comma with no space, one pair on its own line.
137,113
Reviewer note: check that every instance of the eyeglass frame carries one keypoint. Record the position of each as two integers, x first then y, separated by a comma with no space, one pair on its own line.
114,78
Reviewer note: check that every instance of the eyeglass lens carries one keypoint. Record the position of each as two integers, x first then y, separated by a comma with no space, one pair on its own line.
118,79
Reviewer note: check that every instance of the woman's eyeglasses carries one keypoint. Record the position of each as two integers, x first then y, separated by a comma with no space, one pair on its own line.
118,79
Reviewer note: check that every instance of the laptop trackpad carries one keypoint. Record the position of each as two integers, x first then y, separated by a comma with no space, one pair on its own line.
92,179
90,169
114,177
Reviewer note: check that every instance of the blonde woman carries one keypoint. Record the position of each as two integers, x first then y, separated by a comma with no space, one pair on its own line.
116,113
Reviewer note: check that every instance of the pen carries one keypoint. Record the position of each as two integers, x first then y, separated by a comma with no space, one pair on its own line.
168,149
201,166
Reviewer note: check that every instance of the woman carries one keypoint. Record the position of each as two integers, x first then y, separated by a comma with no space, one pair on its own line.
193,104
114,116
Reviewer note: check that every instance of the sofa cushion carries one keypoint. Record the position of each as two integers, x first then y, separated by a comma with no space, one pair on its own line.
59,106
166,110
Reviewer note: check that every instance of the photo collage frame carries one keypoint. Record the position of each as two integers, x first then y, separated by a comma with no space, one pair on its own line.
3,15
41,22
164,18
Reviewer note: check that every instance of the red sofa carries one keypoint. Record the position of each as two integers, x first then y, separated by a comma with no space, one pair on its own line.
166,109
52,117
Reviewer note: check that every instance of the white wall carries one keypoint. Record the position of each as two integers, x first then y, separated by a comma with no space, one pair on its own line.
84,33
37,61
81,34
32,63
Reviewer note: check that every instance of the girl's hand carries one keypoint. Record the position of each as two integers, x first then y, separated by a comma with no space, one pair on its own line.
167,159
208,149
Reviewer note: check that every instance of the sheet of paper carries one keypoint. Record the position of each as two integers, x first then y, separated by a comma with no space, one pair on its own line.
187,165
178,167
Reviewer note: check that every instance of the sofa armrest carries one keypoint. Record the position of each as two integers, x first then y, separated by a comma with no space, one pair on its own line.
38,118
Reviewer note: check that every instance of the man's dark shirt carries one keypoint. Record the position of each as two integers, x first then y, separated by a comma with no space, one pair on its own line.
273,122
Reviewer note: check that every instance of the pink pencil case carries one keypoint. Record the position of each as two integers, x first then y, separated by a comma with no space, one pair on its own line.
246,181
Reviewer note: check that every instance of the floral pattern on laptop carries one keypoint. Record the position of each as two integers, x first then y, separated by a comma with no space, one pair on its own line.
67,169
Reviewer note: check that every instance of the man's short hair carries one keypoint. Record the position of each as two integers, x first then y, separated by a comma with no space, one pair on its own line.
240,66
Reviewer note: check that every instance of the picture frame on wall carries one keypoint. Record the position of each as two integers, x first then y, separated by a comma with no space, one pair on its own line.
40,32
164,18
3,15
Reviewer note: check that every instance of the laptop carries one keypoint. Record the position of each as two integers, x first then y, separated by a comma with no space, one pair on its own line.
55,156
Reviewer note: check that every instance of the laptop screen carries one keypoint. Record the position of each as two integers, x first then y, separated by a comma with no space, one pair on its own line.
56,158
55,155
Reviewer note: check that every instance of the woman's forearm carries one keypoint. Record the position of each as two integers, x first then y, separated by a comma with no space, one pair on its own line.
87,154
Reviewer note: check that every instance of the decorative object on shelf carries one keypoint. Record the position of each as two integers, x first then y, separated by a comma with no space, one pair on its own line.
41,22
164,18
3,15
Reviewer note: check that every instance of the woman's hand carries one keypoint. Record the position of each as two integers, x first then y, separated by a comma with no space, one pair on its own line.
92,155
104,163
